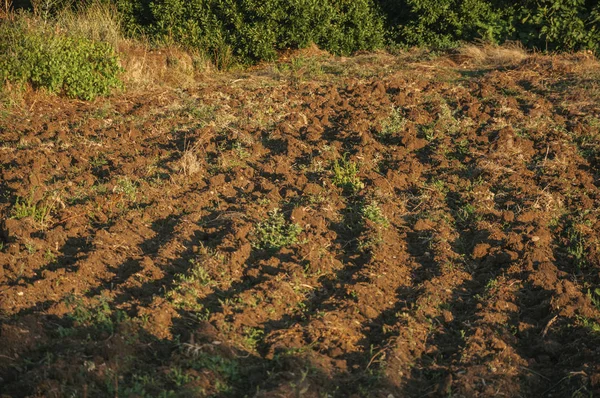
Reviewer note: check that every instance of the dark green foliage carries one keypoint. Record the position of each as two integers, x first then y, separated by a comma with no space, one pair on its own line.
75,66
247,31
569,25
253,30
135,16
543,24
443,23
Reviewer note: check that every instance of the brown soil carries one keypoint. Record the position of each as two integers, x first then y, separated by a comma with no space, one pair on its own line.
132,263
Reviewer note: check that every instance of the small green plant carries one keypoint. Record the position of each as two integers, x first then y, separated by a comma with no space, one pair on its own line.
197,274
428,131
98,316
39,211
179,377
252,337
345,175
393,124
49,256
577,246
31,249
191,286
275,232
127,187
370,241
491,285
98,161
594,297
463,149
589,324
372,212
466,214
239,149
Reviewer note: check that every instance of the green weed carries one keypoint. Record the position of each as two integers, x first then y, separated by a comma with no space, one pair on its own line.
49,256
589,324
252,337
98,161
392,125
179,377
577,244
275,232
467,214
594,297
197,274
191,286
30,247
373,213
239,149
40,211
345,175
99,316
128,187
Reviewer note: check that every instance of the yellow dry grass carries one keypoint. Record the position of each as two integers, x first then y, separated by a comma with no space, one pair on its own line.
167,66
6,9
489,54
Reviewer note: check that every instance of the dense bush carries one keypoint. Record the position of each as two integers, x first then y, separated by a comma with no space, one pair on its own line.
443,23
77,67
253,30
542,24
231,31
560,25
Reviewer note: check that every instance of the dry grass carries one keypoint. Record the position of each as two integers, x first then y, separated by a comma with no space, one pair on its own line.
143,67
489,54
6,9
168,66
190,163
97,21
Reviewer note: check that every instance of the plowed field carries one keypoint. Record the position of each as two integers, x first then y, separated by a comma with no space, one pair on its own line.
372,226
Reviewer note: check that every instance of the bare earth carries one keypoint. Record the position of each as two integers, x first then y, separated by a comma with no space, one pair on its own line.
439,224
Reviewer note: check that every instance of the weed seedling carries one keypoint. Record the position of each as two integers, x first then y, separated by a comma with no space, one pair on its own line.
252,337
275,233
345,175
39,211
31,249
49,256
392,125
577,246
127,187
373,213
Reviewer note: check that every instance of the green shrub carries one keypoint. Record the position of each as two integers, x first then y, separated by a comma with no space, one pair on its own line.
135,16
57,62
568,25
443,23
544,24
254,30
338,26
